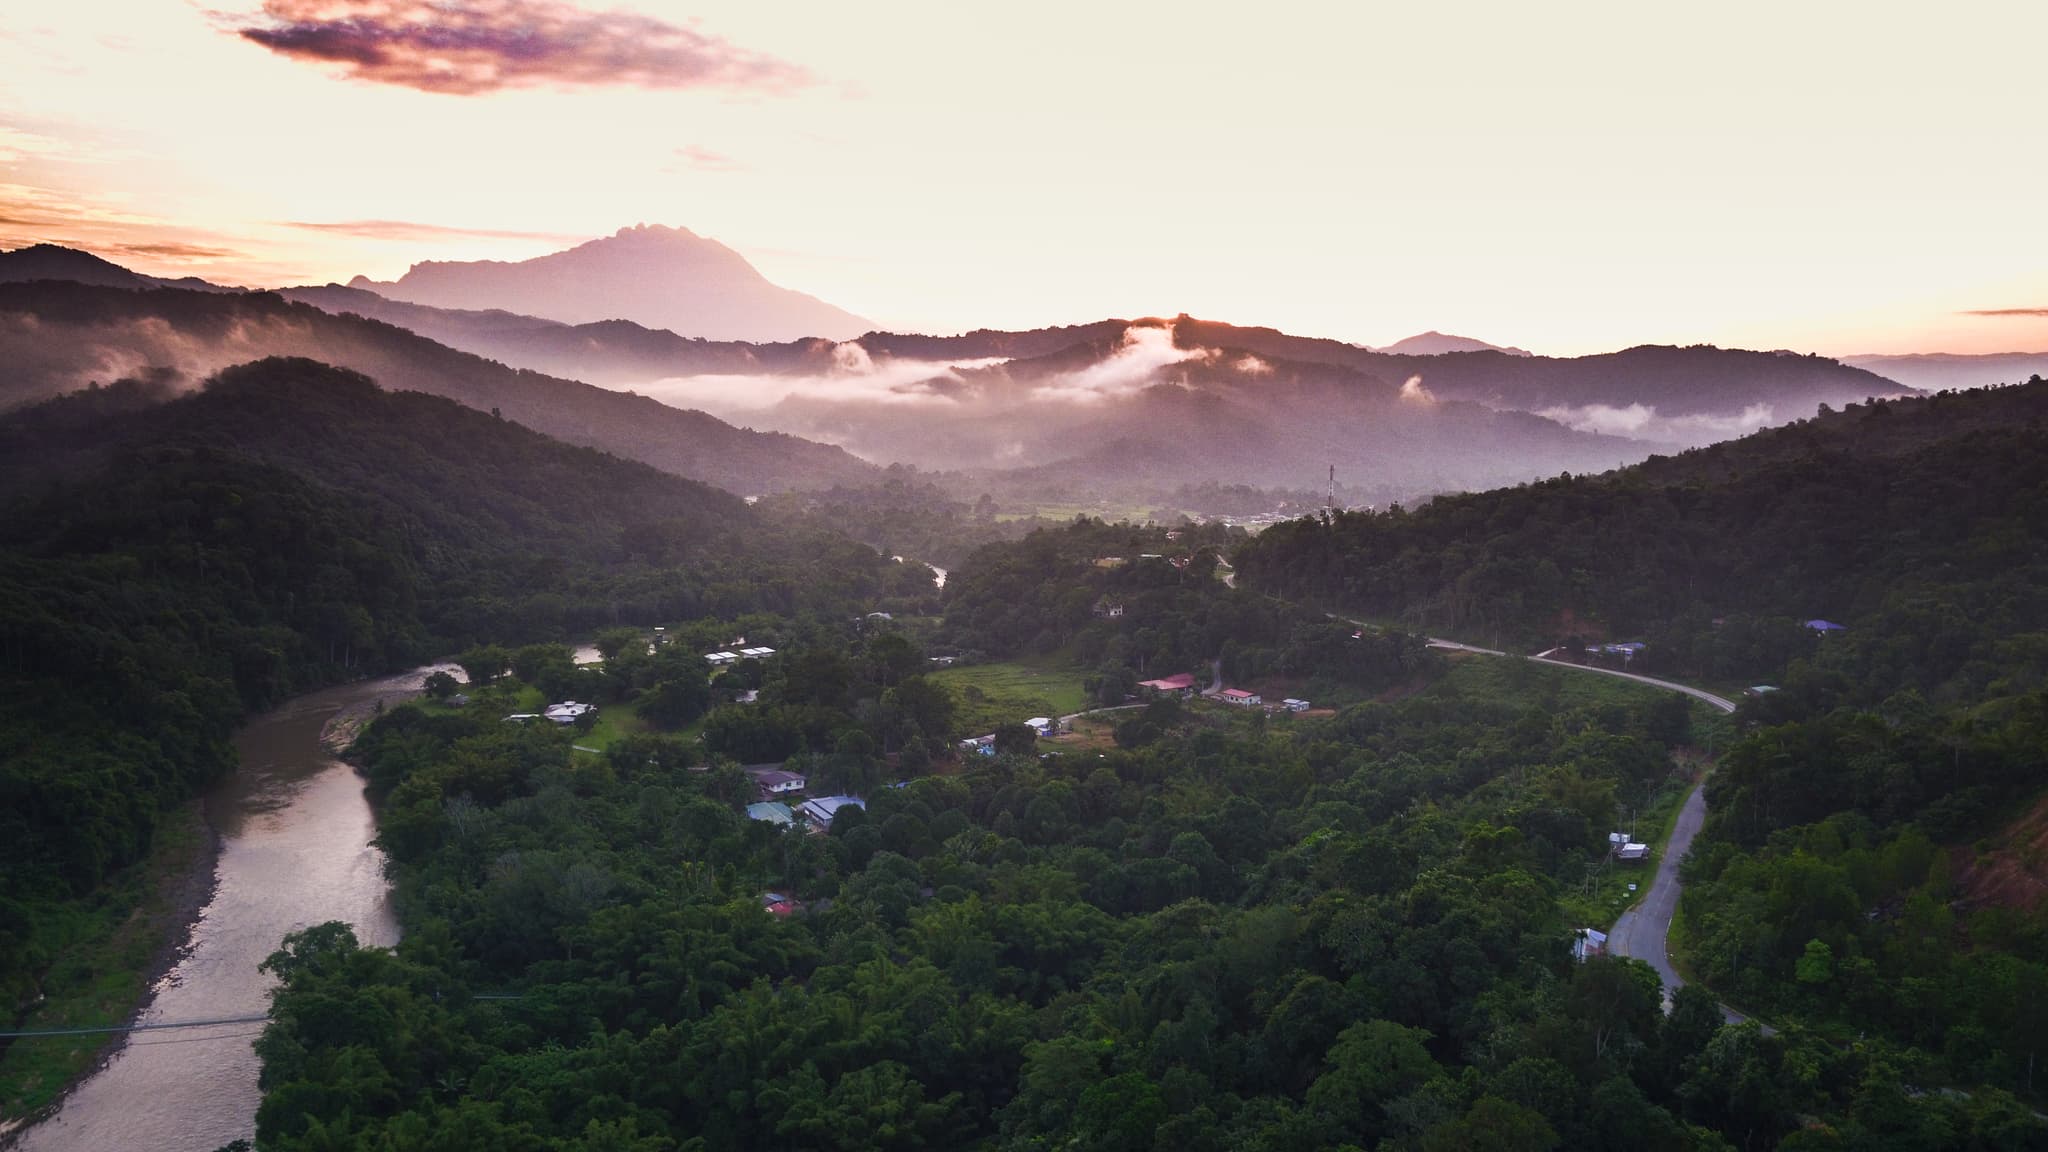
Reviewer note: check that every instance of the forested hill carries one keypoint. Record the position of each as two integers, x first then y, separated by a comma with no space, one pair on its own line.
166,567
1921,524
61,335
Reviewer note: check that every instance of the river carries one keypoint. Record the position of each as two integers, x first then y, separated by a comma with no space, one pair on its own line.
295,851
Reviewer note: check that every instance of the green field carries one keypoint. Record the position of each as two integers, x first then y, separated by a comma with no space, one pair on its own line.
1011,692
614,721
1104,510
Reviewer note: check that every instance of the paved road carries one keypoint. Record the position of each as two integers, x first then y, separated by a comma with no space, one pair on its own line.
1644,930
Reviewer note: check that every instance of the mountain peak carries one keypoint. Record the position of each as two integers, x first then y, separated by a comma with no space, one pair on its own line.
56,262
655,231
652,274
1434,343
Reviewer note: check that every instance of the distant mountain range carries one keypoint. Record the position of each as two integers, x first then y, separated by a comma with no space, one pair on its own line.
1090,408
1130,407
57,337
1934,371
660,277
1435,343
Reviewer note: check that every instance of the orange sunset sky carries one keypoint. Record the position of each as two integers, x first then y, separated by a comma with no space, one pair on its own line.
1831,177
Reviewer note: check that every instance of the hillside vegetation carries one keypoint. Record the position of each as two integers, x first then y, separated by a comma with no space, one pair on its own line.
59,336
167,567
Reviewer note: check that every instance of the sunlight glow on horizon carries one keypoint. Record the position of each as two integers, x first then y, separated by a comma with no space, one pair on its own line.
1832,178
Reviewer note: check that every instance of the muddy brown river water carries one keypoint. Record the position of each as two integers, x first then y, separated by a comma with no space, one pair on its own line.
295,851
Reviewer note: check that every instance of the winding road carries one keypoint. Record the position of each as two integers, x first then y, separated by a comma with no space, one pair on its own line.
1643,932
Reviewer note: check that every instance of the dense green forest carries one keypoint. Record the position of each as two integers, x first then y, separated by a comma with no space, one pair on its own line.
167,567
904,514
1319,933
1870,870
1920,524
1137,603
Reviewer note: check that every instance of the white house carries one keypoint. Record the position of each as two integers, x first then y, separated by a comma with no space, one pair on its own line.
718,659
1293,705
756,653
1632,851
1241,697
568,711
1042,725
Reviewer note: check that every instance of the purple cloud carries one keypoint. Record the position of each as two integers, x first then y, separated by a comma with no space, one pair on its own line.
470,47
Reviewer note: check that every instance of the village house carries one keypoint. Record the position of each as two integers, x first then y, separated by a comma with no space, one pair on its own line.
720,659
1182,685
756,653
1043,725
1293,705
568,711
821,811
771,812
1241,698
773,781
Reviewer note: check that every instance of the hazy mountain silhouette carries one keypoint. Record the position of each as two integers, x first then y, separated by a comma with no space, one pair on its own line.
1934,371
55,262
606,352
659,277
57,337
1434,343
1132,406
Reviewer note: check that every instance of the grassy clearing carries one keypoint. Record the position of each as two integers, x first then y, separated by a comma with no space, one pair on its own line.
614,722
1105,510
1605,896
106,947
1010,692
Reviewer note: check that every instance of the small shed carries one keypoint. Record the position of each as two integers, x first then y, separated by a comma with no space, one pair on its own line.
1587,943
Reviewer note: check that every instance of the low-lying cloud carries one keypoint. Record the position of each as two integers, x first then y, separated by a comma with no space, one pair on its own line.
1132,367
472,47
48,358
1641,422
854,378
1413,391
2010,312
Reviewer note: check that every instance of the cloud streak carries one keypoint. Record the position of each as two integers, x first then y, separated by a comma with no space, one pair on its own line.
2034,313
474,47
407,230
30,214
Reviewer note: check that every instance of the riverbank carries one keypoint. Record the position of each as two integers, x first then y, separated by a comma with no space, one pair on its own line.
110,950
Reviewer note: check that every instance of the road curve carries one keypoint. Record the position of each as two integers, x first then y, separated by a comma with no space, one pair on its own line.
1644,930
